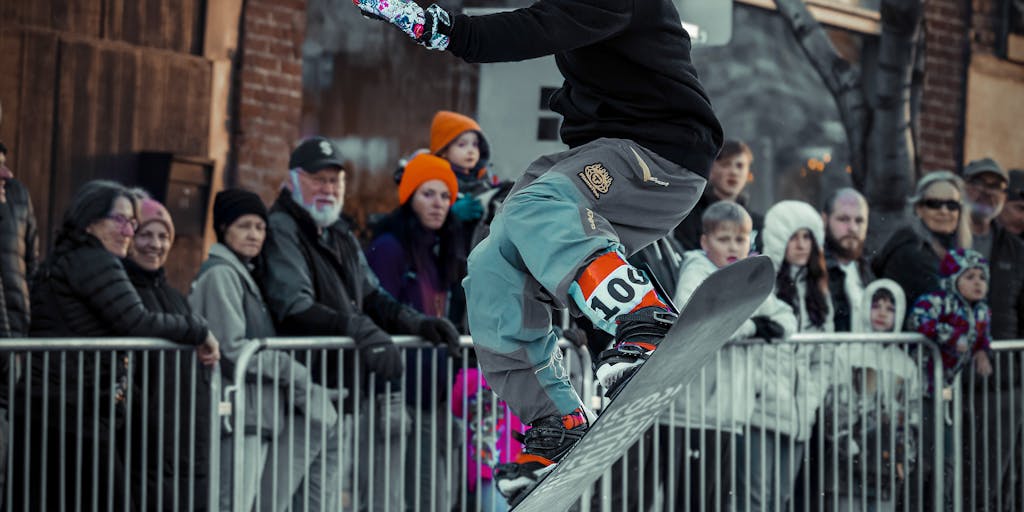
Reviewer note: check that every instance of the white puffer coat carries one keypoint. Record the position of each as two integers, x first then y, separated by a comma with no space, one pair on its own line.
723,396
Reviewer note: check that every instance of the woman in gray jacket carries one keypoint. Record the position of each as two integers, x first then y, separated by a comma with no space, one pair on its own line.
226,293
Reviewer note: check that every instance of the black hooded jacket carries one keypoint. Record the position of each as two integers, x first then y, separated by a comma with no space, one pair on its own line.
627,70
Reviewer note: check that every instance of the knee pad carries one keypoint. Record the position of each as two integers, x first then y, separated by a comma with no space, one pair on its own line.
608,287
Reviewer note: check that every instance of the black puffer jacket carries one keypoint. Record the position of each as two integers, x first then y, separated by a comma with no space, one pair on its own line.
908,259
83,291
159,297
19,254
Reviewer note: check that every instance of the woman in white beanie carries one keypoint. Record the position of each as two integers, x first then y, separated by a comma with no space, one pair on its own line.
791,378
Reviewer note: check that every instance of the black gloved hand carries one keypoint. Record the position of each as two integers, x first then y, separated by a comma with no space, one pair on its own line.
766,328
439,331
383,358
576,336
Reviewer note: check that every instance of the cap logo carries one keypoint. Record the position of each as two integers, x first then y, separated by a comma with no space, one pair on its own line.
325,148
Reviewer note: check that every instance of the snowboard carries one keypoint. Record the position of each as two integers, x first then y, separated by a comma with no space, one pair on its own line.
715,311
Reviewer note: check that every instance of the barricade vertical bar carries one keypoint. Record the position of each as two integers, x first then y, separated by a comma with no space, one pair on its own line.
449,425
12,413
144,448
940,423
129,398
971,408
371,432
685,459
433,438
307,434
387,444
80,441
324,447
701,445
670,485
477,439
418,439
113,441
463,460
998,410
357,374
193,420
342,460
957,436
176,433
45,429
289,427
1015,441
96,429
62,443
213,430
161,420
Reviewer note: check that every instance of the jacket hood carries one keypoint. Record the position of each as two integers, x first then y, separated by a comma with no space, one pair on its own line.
784,219
955,263
447,126
863,324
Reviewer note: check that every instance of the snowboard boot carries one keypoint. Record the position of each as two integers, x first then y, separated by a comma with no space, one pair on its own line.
636,338
544,445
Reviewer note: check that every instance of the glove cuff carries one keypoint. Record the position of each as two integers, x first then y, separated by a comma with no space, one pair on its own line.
438,24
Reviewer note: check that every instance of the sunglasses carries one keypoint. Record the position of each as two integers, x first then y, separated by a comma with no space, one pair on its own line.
935,204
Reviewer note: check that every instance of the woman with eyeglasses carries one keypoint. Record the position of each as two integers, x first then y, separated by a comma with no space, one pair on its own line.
77,402
911,256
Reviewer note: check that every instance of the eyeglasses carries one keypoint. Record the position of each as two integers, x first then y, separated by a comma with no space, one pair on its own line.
123,221
935,204
322,180
998,189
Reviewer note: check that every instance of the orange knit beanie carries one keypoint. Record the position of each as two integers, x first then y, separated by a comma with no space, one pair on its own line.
423,168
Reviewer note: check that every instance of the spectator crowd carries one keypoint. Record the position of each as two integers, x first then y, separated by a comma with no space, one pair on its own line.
954,273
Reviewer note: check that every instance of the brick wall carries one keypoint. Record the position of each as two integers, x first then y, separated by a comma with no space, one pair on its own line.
942,112
270,93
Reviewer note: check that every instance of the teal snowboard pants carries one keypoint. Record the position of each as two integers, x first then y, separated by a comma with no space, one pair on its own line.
565,211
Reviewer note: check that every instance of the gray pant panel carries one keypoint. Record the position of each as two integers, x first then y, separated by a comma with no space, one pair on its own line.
568,208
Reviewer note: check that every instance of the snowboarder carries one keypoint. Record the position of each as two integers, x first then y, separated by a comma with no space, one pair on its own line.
642,136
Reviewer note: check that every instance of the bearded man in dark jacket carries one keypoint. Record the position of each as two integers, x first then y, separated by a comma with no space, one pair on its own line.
846,229
317,280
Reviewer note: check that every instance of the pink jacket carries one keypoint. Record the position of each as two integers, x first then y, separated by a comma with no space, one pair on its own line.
486,431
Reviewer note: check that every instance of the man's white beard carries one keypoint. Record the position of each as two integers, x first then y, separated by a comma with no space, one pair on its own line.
323,216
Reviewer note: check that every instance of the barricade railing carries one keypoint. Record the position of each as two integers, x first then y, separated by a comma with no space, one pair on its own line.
107,424
421,442
851,437
879,441
988,432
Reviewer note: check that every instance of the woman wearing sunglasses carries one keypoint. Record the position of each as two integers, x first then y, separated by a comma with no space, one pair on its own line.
911,256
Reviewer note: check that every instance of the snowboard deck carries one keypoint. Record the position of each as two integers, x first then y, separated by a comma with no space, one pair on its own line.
716,310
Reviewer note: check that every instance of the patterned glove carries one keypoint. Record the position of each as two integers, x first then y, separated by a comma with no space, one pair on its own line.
428,27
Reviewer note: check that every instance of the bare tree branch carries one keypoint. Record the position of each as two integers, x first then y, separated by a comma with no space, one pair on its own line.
842,78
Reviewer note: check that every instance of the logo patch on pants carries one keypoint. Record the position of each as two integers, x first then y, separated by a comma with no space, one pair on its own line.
597,179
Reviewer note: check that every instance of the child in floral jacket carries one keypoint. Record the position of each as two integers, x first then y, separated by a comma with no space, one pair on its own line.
957,317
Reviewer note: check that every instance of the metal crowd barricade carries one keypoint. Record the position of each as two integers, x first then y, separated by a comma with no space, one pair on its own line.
989,439
876,441
82,412
879,437
396,445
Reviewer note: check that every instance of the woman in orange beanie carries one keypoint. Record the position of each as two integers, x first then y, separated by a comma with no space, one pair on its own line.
418,253
420,258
